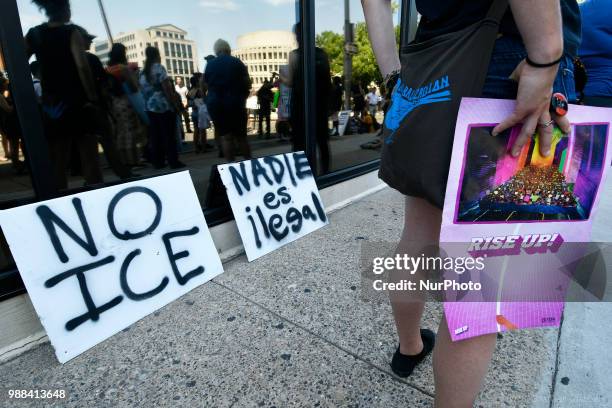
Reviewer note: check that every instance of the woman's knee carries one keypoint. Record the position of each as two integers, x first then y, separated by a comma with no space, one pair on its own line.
422,221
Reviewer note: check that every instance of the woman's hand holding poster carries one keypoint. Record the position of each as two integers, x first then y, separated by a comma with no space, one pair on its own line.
528,218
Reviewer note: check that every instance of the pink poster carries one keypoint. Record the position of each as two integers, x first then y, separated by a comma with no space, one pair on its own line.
520,214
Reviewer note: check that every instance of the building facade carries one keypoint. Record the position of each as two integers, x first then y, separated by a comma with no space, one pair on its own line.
178,53
264,52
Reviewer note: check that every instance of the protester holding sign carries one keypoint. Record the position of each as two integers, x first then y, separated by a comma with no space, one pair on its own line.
528,46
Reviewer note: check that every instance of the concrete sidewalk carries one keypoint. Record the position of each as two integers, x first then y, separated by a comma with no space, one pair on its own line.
292,330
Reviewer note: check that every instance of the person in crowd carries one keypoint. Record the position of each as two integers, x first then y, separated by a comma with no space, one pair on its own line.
10,127
295,81
336,103
534,185
265,97
359,102
35,70
130,134
6,109
373,101
68,91
530,29
218,142
162,105
596,51
204,122
377,143
182,90
195,99
100,123
283,106
229,85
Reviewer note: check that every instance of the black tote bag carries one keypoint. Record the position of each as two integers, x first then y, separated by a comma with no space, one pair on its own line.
420,123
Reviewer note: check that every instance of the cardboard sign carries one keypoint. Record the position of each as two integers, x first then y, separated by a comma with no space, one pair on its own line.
343,119
284,100
274,199
95,263
526,215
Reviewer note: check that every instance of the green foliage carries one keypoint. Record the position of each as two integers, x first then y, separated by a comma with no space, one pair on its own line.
365,68
333,44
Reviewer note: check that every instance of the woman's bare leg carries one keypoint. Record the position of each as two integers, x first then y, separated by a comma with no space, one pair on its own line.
421,227
460,367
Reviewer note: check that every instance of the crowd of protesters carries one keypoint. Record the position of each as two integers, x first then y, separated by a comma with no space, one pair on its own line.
137,113
534,185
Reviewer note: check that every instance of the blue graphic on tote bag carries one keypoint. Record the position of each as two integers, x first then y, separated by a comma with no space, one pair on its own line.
405,100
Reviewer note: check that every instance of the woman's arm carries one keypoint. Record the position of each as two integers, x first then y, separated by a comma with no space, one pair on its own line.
540,25
379,19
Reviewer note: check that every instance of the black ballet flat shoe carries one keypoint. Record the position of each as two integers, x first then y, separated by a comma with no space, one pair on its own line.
403,365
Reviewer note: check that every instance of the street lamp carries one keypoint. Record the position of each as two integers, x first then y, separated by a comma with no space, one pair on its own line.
349,50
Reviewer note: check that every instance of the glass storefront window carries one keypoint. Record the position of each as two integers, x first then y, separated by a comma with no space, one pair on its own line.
15,176
15,180
355,86
124,139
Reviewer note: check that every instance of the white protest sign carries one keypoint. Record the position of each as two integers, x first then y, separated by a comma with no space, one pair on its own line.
343,119
284,101
95,263
275,201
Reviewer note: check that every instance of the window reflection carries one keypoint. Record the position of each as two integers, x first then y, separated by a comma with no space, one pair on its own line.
161,88
357,100
15,182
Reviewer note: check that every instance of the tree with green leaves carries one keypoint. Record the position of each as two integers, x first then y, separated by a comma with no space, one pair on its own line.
365,68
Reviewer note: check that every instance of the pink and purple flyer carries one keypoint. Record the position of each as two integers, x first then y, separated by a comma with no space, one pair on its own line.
519,213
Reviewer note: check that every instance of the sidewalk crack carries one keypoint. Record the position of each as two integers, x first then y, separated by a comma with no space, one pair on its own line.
556,370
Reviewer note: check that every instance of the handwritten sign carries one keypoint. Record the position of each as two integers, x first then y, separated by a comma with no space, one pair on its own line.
275,201
95,263
343,120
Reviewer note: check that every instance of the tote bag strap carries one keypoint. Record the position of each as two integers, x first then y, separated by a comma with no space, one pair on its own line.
497,10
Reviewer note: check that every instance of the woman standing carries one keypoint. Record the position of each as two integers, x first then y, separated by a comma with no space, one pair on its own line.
130,132
68,91
530,49
162,104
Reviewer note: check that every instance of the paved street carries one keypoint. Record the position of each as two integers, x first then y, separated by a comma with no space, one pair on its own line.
281,332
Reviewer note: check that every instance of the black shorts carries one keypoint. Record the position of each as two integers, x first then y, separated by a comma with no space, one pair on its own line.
233,123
